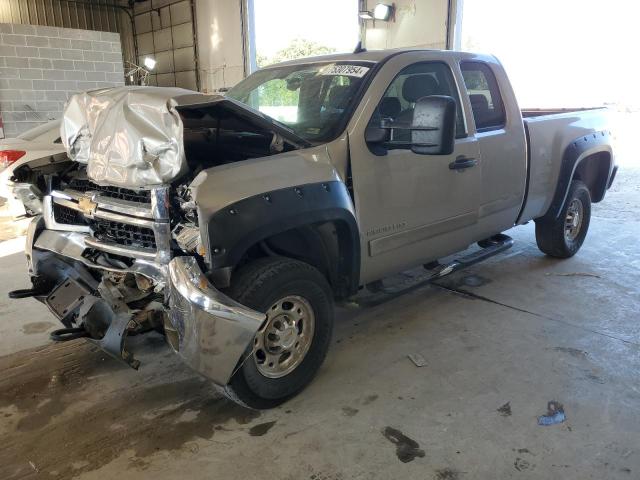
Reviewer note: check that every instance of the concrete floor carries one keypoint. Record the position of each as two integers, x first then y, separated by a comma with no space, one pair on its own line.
529,330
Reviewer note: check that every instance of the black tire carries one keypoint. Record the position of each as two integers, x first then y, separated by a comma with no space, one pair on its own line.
551,235
258,285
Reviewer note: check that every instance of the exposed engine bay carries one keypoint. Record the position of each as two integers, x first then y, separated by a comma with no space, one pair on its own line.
136,137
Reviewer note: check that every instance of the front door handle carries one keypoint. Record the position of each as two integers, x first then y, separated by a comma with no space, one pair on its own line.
463,162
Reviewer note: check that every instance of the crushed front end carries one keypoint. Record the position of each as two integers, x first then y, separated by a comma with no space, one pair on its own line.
109,262
110,258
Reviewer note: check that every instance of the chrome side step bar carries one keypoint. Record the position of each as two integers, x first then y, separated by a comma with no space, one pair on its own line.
490,247
496,244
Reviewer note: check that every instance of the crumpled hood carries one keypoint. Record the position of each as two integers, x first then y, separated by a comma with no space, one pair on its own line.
127,136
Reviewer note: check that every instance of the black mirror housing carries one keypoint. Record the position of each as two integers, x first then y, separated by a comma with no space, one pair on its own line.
433,129
376,132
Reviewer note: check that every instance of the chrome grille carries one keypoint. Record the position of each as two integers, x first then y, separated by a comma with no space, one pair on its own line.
68,216
123,233
119,226
84,185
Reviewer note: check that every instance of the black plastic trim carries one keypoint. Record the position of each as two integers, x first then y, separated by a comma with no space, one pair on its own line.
233,230
527,182
570,163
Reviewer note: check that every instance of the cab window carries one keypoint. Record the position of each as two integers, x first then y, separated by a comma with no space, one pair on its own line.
484,95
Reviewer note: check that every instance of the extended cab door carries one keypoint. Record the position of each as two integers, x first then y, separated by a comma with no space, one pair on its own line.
411,208
499,129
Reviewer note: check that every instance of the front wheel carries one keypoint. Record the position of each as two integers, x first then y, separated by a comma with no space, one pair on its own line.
563,236
291,345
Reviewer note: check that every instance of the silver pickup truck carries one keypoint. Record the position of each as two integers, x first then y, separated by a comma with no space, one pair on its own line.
231,224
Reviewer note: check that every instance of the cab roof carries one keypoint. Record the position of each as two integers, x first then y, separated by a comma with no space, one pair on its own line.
373,56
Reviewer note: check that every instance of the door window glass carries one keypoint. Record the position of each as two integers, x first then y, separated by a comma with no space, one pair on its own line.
484,95
412,83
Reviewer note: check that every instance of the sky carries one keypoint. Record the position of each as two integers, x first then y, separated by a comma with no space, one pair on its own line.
561,52
332,23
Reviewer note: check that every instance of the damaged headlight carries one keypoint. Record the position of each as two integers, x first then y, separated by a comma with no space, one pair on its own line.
29,195
187,233
188,238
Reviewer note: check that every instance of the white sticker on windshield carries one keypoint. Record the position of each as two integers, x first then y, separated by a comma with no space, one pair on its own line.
347,70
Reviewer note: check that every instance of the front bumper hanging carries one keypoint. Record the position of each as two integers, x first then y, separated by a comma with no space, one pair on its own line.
209,330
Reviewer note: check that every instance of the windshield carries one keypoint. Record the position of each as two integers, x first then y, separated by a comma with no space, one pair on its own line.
313,100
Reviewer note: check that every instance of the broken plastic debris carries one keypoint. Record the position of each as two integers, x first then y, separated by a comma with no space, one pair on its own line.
417,359
555,414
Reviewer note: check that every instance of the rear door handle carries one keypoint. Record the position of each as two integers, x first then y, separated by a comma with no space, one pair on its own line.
462,163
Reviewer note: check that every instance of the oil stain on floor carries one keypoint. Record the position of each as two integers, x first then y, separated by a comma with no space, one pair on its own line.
261,429
407,449
58,391
37,327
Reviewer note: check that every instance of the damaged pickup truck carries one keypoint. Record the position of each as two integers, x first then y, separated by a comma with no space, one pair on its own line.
231,224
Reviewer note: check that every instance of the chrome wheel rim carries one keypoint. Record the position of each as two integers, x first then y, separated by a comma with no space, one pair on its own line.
284,340
573,220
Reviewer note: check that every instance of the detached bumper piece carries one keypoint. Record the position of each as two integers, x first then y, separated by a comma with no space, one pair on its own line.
207,329
104,323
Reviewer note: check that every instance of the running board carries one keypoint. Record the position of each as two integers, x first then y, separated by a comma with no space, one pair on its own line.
498,244
494,245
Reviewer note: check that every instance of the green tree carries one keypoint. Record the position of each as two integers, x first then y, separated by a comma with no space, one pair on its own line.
275,92
298,48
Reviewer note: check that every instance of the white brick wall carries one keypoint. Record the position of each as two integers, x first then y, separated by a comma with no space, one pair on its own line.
40,67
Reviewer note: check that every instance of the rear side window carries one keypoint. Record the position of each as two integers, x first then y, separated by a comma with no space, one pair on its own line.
486,102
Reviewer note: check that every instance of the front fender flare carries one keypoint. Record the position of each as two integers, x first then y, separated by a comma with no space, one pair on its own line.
235,228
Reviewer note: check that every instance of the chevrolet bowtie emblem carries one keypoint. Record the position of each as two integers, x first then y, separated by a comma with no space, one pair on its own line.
87,206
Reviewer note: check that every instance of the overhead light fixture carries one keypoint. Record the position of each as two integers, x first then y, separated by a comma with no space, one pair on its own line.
383,12
136,74
149,63
365,15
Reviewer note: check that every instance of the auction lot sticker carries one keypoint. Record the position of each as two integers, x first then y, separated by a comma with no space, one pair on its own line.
347,70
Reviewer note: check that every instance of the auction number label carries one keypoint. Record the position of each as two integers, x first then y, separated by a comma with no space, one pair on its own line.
347,70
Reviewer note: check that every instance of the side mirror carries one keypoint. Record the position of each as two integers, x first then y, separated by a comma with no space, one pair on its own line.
374,134
377,131
433,128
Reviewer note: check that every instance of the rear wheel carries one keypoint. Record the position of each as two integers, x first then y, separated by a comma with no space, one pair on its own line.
291,345
563,236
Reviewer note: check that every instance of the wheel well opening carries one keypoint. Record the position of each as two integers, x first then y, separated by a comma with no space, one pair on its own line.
594,172
327,246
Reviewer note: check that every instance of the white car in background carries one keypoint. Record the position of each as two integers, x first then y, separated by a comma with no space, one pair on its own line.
40,142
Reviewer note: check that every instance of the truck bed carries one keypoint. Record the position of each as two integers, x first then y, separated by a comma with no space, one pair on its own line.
543,112
549,132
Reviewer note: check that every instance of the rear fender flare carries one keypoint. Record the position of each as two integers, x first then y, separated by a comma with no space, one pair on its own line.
578,150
